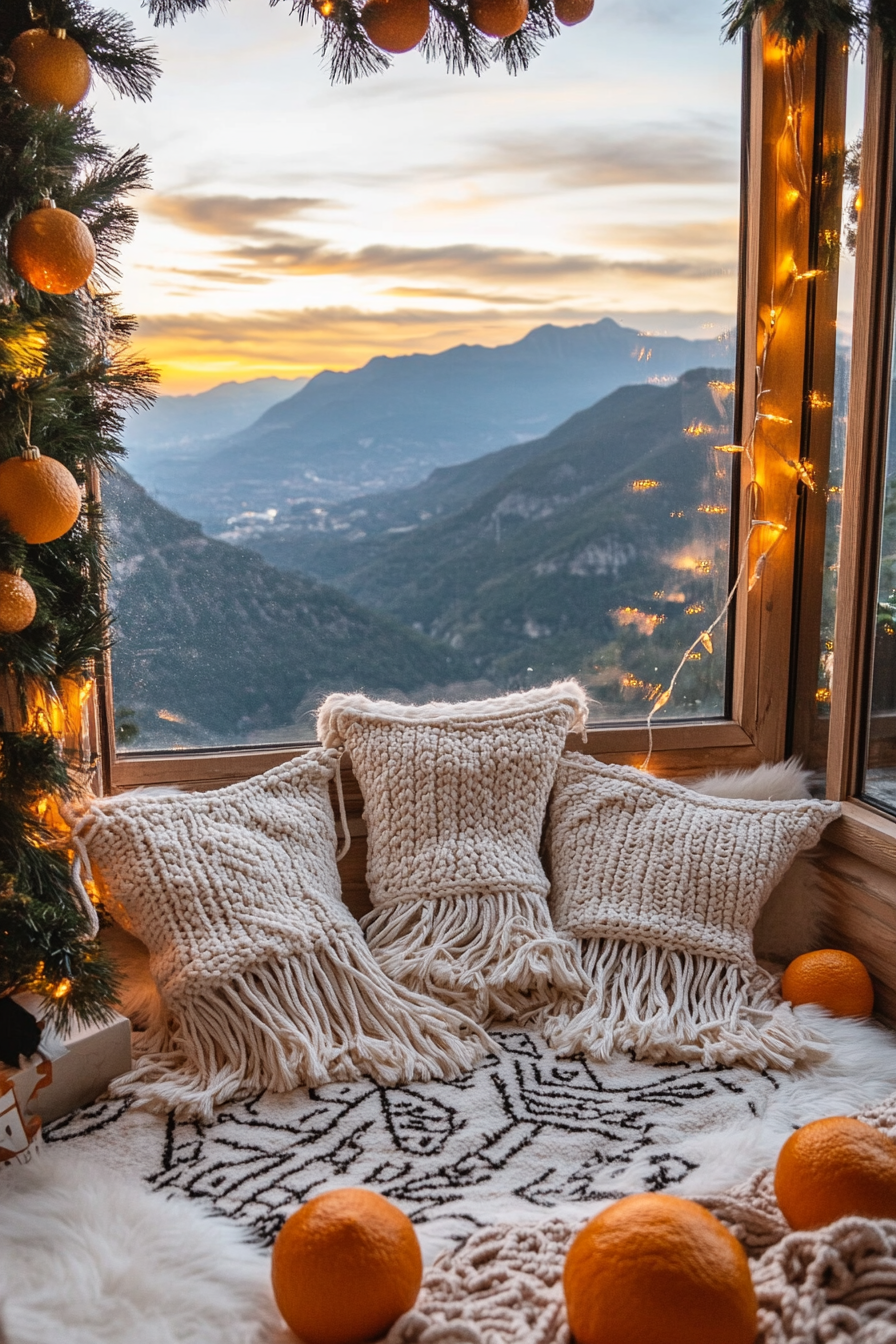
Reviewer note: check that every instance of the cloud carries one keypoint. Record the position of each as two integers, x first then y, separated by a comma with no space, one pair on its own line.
229,216
455,261
693,235
468,295
647,155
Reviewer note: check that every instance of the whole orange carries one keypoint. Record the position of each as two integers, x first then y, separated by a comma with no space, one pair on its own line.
52,249
39,497
345,1267
18,605
499,18
834,980
51,68
833,1169
395,25
571,12
658,1269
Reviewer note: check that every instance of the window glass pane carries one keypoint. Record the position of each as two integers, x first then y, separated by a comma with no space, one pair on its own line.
500,313
855,108
880,756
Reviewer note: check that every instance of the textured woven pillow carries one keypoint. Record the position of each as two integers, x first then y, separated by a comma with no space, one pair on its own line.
265,979
455,798
663,886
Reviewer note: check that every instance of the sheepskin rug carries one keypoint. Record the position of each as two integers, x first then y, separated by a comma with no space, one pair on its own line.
88,1256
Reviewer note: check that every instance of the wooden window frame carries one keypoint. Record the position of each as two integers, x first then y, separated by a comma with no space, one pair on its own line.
773,628
864,830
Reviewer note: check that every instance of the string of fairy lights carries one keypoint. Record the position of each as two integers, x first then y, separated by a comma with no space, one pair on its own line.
796,196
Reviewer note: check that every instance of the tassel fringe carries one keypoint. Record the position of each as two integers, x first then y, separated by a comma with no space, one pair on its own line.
666,1006
492,957
325,1017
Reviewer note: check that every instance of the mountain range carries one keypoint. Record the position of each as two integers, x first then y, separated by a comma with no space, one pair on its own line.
599,549
600,545
213,646
177,429
389,424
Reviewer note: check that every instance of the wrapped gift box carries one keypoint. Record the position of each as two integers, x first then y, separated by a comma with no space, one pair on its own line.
81,1065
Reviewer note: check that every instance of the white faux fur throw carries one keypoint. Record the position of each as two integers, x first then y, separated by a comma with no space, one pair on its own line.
663,886
454,798
264,977
90,1256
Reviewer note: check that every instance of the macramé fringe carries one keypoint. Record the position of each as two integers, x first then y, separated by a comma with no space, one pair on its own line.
319,1018
667,1005
493,956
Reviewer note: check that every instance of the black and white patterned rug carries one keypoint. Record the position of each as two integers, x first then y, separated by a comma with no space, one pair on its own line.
524,1134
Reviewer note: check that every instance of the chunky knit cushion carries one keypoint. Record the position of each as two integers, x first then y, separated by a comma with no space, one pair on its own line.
455,797
663,886
264,977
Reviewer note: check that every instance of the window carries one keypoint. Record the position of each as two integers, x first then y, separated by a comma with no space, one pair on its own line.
526,481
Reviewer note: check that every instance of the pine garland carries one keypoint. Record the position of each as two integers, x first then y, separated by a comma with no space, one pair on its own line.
799,20
66,379
452,38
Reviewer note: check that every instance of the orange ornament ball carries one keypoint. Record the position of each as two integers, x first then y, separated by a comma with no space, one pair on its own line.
832,979
39,497
656,1267
835,1168
571,12
18,605
51,69
499,18
52,249
395,25
345,1267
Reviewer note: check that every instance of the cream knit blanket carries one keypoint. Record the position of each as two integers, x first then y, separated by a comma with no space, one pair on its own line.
265,979
663,887
455,798
833,1286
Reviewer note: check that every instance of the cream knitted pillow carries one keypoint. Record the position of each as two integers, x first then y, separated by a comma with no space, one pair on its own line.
454,798
663,886
265,979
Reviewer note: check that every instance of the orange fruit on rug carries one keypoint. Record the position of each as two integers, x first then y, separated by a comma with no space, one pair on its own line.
52,249
39,497
51,68
836,1168
571,12
499,18
832,979
657,1267
345,1267
395,25
18,605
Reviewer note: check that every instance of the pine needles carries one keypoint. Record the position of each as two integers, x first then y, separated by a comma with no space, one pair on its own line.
66,378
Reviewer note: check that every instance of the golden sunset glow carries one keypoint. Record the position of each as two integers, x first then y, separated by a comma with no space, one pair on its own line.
295,226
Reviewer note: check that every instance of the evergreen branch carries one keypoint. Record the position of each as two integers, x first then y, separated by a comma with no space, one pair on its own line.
168,11
452,38
128,66
795,20
121,60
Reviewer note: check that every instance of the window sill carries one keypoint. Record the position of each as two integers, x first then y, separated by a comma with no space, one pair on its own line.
678,749
864,831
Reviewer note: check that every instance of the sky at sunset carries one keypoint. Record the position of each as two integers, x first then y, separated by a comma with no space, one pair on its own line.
295,226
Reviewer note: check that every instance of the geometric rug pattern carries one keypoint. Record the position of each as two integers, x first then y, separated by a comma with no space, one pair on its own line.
523,1136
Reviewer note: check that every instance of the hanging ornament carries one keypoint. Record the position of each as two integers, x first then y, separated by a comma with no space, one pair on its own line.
499,18
18,604
571,12
52,249
395,25
51,69
39,497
